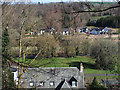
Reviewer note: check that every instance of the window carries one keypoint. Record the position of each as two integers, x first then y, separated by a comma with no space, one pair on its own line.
52,83
42,83
31,84
74,84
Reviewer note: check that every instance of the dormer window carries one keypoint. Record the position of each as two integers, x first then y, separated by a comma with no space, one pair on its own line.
52,83
31,83
42,83
74,84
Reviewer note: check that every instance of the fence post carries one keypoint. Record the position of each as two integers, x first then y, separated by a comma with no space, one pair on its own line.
105,81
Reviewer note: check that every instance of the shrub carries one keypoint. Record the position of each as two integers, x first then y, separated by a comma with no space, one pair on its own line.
95,85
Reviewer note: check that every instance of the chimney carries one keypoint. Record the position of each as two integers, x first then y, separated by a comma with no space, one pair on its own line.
81,67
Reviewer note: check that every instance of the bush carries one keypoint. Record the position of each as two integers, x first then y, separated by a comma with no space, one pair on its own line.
91,23
95,85
110,21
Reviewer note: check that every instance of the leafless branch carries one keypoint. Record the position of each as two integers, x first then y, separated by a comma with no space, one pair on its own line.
31,63
102,10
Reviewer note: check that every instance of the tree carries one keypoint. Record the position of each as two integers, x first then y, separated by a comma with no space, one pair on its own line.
5,43
7,79
105,53
7,76
90,6
54,19
48,46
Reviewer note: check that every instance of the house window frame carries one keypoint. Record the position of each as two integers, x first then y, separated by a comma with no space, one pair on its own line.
42,83
31,82
74,84
52,82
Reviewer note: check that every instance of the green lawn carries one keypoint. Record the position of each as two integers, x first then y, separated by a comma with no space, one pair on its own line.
88,63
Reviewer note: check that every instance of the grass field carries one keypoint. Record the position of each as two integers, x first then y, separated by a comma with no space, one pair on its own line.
88,63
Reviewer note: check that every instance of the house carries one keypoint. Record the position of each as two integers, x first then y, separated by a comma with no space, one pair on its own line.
55,78
50,30
95,31
66,31
78,29
84,30
106,30
47,30
32,33
15,73
42,32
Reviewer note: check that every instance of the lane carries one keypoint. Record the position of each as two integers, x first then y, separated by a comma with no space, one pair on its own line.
87,75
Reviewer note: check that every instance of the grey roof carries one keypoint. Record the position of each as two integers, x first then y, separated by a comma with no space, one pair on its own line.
66,29
53,74
97,29
49,29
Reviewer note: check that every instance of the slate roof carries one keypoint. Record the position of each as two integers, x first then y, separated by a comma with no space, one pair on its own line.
49,29
65,29
60,75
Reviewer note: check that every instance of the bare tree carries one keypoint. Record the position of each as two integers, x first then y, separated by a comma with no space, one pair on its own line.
88,5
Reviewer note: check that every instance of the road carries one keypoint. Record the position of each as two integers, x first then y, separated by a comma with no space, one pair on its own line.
87,75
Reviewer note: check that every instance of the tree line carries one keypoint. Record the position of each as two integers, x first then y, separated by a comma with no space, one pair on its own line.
43,16
110,21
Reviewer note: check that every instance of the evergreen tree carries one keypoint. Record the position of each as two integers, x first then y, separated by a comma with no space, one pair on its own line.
7,76
5,42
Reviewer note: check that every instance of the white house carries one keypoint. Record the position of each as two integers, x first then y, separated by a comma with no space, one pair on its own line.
32,33
66,31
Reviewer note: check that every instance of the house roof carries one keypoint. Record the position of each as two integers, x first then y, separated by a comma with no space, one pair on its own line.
66,29
56,74
63,84
49,29
55,71
66,85
96,29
